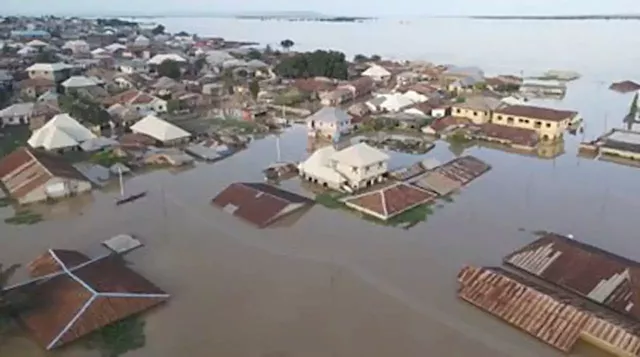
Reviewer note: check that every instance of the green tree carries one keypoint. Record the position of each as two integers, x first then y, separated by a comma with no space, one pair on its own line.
375,58
199,64
286,44
12,302
320,63
268,50
254,88
254,54
83,109
359,58
169,69
158,30
46,57
633,110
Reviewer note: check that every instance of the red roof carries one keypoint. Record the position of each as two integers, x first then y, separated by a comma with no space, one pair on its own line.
258,203
554,258
391,201
142,98
518,136
26,169
82,296
443,123
533,112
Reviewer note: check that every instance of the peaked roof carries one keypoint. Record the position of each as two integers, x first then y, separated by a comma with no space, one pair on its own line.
603,277
42,166
390,201
376,71
159,129
78,82
82,295
258,203
60,132
329,115
360,155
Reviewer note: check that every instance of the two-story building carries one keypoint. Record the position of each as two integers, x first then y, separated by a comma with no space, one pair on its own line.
478,109
329,122
550,124
349,169
55,72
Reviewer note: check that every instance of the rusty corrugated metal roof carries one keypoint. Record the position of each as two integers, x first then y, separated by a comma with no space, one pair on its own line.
556,318
598,275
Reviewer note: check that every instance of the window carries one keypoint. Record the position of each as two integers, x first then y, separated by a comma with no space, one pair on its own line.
458,110
548,125
509,120
354,169
538,124
475,114
499,117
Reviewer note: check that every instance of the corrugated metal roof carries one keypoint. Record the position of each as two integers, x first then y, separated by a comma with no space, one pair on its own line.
600,276
556,318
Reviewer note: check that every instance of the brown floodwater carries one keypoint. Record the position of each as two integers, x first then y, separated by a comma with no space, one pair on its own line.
331,284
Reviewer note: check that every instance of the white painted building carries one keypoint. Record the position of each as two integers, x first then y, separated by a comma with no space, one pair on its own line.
61,133
16,114
160,130
77,46
392,103
349,169
377,73
329,122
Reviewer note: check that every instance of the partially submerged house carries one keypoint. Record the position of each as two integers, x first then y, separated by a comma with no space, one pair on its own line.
540,291
329,122
349,169
259,204
388,202
452,175
61,133
550,124
617,143
161,130
478,109
33,176
77,295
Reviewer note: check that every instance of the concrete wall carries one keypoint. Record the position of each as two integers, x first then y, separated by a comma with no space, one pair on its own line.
40,194
476,116
546,129
360,177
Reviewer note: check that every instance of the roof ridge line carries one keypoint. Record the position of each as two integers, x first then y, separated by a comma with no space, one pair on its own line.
72,275
72,322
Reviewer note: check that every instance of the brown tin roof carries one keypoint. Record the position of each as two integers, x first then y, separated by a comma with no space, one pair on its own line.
557,318
392,200
40,166
602,277
258,203
518,136
80,296
464,169
625,86
541,113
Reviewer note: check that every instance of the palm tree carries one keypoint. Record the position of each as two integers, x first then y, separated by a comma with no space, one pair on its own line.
287,44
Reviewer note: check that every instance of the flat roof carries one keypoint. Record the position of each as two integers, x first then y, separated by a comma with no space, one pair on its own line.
629,137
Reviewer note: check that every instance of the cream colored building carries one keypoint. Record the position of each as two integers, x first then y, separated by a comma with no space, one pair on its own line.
550,124
478,109
52,71
349,169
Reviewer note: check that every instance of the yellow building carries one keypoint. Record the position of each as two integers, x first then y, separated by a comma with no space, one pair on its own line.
478,109
549,123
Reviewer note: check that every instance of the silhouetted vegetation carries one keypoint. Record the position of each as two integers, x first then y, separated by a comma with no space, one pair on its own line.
287,44
331,64
118,338
116,23
158,30
83,109
169,69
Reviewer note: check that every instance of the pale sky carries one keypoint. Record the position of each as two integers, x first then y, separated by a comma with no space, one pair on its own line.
330,7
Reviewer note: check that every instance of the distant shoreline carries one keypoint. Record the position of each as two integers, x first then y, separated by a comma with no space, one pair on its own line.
318,19
566,17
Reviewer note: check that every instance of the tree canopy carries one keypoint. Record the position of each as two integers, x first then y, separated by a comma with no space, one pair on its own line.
83,109
158,30
287,44
169,69
633,110
320,63
254,54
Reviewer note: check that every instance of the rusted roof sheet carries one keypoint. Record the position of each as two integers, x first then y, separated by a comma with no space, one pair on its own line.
532,112
437,182
464,169
518,136
25,169
258,203
83,296
555,318
391,201
596,274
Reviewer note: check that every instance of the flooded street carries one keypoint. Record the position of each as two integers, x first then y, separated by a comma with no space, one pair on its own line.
332,284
